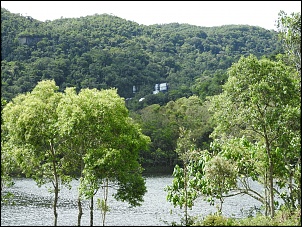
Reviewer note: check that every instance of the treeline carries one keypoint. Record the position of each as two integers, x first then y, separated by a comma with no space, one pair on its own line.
105,51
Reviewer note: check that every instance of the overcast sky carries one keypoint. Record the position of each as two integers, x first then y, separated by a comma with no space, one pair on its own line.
200,13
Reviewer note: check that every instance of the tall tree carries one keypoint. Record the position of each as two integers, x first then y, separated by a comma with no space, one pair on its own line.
182,192
74,126
31,122
261,101
106,144
289,28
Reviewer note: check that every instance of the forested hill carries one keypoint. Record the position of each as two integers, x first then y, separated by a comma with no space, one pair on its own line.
103,51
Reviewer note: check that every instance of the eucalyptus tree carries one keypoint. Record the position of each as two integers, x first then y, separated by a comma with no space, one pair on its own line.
106,143
31,122
289,28
183,191
79,134
203,174
261,101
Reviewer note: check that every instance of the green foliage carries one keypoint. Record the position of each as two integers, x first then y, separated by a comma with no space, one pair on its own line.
6,161
260,102
209,85
31,121
8,167
215,220
54,137
104,51
282,218
221,177
162,123
289,28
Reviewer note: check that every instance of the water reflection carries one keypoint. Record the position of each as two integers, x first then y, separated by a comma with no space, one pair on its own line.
33,206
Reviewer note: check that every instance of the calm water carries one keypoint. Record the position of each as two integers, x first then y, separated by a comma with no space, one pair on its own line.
33,207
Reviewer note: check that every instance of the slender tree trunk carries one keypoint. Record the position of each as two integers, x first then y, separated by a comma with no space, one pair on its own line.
104,207
270,174
79,197
56,183
91,211
271,181
56,202
299,183
80,210
186,194
220,207
265,193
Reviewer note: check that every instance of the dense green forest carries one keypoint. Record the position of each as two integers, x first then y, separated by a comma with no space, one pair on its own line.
105,51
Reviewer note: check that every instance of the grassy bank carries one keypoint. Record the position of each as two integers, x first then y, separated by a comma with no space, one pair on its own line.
282,218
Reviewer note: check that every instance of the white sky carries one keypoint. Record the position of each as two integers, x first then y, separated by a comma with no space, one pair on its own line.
200,13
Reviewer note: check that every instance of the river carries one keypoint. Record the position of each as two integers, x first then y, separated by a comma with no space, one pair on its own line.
33,207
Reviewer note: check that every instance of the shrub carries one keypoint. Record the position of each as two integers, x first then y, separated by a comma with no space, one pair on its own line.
216,220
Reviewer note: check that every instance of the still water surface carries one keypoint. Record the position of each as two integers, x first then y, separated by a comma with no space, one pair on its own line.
33,207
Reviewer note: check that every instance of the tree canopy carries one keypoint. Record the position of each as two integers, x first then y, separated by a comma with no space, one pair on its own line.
105,51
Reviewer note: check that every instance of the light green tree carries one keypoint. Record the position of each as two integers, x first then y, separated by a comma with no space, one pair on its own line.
32,125
183,191
106,143
221,177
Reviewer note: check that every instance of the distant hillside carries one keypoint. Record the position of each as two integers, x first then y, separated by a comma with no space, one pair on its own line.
103,51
